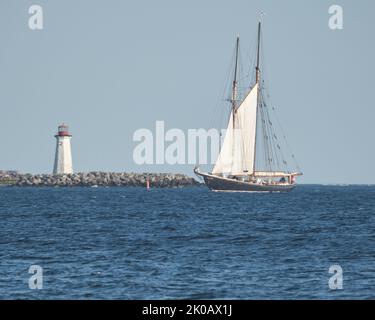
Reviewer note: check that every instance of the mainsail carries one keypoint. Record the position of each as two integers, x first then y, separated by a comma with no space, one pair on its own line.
237,153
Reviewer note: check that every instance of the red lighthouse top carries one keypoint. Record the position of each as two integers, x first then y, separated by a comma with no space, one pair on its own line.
63,131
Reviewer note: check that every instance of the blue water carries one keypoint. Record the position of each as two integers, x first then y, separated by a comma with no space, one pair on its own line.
129,243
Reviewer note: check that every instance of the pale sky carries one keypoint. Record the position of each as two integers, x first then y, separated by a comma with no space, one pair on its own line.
110,67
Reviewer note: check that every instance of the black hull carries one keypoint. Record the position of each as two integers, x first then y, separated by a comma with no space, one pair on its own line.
216,183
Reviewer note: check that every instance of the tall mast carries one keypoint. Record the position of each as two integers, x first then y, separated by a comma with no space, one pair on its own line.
234,86
257,82
258,55
234,95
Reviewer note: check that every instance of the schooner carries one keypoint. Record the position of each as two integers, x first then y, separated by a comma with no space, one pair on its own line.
235,168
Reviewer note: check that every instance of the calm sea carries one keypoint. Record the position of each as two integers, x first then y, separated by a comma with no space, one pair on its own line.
130,243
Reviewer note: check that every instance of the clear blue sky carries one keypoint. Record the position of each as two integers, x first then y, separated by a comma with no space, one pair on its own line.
110,67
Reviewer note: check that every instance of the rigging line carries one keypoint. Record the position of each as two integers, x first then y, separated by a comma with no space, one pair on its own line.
267,142
240,82
275,147
267,154
221,97
285,163
274,143
271,134
286,140
250,77
279,150
264,138
267,135
264,72
283,158
274,154
220,100
271,147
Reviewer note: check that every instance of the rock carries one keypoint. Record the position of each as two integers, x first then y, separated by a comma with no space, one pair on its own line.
162,180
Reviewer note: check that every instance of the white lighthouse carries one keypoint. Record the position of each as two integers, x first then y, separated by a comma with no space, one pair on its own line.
63,157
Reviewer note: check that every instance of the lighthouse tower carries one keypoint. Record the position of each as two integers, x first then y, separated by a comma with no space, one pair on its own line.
63,157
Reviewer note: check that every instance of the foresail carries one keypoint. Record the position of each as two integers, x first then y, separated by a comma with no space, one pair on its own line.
225,160
237,153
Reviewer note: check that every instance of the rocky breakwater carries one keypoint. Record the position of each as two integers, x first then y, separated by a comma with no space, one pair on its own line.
160,180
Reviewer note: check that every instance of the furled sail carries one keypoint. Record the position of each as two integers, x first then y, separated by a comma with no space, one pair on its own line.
237,153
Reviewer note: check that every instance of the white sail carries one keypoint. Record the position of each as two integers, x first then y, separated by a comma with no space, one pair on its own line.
225,160
237,153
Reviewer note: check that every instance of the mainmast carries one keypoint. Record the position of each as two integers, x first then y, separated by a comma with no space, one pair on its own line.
258,56
234,95
258,95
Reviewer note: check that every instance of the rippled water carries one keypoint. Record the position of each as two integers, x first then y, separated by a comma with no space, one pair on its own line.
129,243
